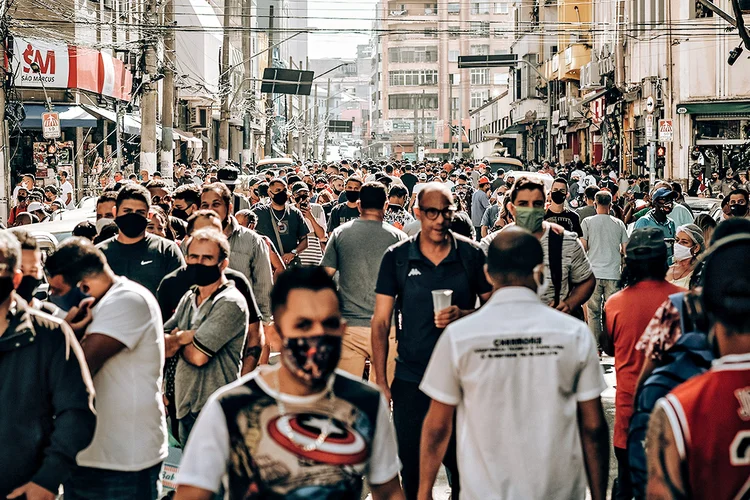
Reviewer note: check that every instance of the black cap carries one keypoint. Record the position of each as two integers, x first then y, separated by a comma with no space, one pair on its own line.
646,243
228,175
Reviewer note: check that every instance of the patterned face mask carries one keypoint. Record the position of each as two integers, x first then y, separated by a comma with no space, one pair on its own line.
312,359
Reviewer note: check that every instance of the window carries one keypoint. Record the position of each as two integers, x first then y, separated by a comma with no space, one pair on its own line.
480,7
455,79
413,77
480,50
430,33
480,29
453,55
480,76
454,8
699,11
453,31
430,9
454,104
478,98
412,54
502,7
500,79
413,101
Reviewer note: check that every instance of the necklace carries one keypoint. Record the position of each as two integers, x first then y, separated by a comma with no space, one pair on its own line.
278,219
287,429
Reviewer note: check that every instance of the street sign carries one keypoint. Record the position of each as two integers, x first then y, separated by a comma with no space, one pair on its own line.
494,61
666,130
344,126
51,125
286,81
650,127
650,104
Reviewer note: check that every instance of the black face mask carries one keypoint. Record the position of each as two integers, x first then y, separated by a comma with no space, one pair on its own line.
165,207
27,287
509,184
203,275
738,210
180,214
131,224
309,186
319,189
22,199
280,198
312,359
557,196
6,287
352,196
336,191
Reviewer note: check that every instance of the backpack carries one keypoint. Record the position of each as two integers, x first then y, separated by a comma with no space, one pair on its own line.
690,356
555,245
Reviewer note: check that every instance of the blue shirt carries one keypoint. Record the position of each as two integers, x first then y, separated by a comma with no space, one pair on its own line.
667,227
479,203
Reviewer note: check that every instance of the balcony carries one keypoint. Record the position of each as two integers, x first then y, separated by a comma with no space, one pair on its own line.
573,57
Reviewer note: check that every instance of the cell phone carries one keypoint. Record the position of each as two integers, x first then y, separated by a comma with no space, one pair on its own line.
639,196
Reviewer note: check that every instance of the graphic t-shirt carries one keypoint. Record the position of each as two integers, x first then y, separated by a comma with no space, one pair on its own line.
244,436
568,219
289,222
341,214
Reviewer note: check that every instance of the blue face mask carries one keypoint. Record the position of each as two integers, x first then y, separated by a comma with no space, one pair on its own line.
69,300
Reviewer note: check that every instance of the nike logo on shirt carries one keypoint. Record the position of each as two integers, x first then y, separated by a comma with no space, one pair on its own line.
144,262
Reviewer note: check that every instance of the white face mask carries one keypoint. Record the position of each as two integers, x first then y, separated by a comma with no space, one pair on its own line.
681,252
541,288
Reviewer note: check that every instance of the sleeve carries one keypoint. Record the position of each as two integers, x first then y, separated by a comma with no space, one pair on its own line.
333,221
262,278
576,223
165,298
206,456
590,382
320,217
640,223
624,232
221,326
72,392
122,318
585,229
331,256
384,462
387,283
302,229
441,380
243,285
483,286
580,266
174,258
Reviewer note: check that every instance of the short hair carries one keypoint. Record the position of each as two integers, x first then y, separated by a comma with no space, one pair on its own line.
263,189
397,191
52,189
313,278
604,198
246,212
515,252
189,193
221,189
63,173
526,183
200,214
560,180
107,196
389,169
353,178
156,183
25,239
590,192
372,196
75,259
212,236
277,180
85,229
740,191
10,252
676,187
133,192
461,224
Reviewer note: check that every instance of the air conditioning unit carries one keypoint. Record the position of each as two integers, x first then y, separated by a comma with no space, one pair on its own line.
585,76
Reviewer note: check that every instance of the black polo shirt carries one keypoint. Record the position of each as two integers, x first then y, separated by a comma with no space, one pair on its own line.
410,277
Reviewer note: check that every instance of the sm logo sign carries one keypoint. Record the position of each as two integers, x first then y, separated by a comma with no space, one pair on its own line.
45,59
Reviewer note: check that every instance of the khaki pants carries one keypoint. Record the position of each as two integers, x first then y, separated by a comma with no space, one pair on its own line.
356,348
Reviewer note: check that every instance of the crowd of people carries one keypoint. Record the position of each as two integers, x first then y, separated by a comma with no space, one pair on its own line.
301,331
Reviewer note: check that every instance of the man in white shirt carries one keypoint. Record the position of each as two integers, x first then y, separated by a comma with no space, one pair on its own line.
299,429
123,342
66,191
527,382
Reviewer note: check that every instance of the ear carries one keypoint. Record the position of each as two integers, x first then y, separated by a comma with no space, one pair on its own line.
224,264
359,206
487,275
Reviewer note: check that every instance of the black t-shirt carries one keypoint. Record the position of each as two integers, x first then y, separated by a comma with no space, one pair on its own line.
409,181
178,282
289,222
567,219
341,214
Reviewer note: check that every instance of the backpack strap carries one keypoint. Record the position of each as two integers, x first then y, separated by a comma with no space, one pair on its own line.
677,300
555,244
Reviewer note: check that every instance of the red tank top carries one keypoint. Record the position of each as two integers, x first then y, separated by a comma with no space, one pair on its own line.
710,419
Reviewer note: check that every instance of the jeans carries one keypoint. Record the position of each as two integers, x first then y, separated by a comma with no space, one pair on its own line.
623,488
410,407
604,289
97,484
186,424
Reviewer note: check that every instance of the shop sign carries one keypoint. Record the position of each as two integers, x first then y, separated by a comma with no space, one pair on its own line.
50,125
51,57
650,127
666,130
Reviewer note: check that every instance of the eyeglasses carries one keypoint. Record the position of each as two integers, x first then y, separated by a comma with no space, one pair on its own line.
432,213
158,199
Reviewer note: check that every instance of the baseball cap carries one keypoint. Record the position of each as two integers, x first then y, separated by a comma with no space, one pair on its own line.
34,206
228,176
422,176
299,186
483,180
663,193
646,243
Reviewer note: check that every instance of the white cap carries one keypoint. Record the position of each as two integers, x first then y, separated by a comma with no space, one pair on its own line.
34,206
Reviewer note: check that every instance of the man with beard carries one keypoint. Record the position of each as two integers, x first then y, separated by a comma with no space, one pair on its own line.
344,212
133,253
738,202
323,428
662,202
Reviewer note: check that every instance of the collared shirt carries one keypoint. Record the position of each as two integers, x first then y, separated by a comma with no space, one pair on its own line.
462,271
522,363
667,227
249,255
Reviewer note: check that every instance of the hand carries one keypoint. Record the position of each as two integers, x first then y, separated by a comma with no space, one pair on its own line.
32,491
273,340
386,390
287,258
80,316
563,307
558,229
447,316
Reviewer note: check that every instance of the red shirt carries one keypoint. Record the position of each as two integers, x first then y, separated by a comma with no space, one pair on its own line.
710,419
628,312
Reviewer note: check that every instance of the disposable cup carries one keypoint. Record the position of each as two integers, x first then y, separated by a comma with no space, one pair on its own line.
441,299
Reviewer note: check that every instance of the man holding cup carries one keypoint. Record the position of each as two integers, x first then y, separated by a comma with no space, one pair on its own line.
436,260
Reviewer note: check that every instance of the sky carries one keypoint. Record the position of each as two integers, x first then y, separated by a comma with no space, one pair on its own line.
338,14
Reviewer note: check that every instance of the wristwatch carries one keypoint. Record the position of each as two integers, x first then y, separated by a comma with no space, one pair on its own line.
294,251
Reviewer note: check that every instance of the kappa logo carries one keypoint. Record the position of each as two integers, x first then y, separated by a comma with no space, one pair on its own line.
414,272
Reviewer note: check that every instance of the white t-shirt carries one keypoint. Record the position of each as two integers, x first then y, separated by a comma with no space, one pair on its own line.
66,188
131,432
516,369
207,454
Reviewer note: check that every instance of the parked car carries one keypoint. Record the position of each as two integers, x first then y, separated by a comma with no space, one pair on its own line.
267,163
710,206
544,178
504,162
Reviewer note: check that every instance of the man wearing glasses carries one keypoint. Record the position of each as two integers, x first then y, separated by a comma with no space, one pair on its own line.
434,259
662,203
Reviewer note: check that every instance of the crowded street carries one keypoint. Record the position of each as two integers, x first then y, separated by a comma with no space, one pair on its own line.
372,250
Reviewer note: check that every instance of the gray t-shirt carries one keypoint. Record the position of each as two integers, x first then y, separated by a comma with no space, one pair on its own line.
220,325
355,251
604,235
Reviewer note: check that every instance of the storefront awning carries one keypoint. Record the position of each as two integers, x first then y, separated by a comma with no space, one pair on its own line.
131,124
714,108
515,129
70,116
593,95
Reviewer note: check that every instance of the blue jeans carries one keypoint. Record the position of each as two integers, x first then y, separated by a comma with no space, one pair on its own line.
97,484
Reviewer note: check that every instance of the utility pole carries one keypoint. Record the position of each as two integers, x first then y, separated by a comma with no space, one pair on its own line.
167,103
450,112
315,124
421,125
415,103
290,118
328,109
150,96
268,148
224,88
302,121
248,84
6,191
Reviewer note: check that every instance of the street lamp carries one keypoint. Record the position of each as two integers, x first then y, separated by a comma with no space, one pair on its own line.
37,71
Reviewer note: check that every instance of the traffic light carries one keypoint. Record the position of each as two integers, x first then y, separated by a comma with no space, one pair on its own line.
639,156
661,151
661,154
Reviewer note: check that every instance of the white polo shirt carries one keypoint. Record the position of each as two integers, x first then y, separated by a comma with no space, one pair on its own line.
516,369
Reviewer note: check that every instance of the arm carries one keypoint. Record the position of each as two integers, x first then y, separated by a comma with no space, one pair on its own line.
436,433
98,348
253,347
262,278
665,466
605,339
226,321
192,493
319,230
584,244
176,340
592,427
381,327
580,293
